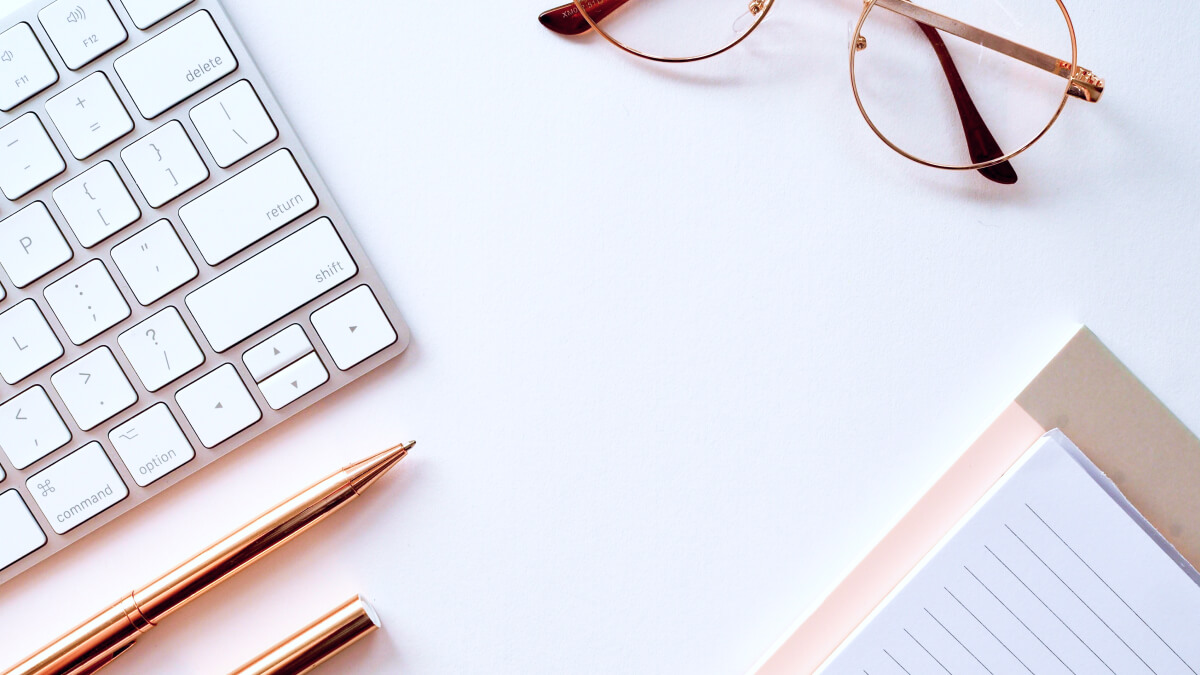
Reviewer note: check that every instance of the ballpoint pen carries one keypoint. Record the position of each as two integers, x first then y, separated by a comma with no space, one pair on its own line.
314,644
101,639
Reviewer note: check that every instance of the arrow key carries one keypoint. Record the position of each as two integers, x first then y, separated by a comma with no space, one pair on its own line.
294,381
218,405
354,327
277,352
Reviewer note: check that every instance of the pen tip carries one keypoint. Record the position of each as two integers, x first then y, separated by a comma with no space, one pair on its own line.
363,474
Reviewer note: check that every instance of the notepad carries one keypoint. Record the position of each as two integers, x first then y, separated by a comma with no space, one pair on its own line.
1052,572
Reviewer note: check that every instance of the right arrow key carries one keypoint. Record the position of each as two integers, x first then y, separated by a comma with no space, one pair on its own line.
353,327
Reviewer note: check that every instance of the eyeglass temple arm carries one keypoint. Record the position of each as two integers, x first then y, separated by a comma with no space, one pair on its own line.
568,20
981,144
1084,85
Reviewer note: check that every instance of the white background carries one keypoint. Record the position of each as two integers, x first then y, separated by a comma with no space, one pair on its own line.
687,341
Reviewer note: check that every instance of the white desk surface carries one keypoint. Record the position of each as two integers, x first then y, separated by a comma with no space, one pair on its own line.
686,340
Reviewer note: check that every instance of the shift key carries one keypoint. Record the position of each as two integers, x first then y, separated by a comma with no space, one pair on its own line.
248,207
272,284
175,64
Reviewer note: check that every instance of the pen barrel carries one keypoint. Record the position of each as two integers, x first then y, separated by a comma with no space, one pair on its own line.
317,642
242,548
94,643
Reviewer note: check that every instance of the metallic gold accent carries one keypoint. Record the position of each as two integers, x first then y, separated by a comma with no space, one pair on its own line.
994,42
983,38
102,638
1084,84
860,43
317,642
765,9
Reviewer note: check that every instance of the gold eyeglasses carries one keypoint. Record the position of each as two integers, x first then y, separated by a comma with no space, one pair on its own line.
1022,70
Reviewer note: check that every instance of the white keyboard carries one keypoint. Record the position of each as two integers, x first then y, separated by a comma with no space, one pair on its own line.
175,278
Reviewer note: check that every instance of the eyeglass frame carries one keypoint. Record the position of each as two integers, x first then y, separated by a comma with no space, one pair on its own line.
1081,83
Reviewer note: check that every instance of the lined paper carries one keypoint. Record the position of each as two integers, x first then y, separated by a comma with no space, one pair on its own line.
1053,573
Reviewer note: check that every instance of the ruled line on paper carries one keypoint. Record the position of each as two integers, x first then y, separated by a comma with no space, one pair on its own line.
1111,589
1020,621
989,630
1081,600
1040,579
1049,609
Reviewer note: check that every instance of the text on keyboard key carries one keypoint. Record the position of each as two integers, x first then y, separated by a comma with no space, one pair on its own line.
234,124
87,302
26,71
20,533
96,204
154,262
30,427
175,64
151,445
88,115
31,245
218,405
354,327
161,349
294,381
76,488
94,388
261,199
27,342
164,164
146,13
28,157
82,30
276,352
285,276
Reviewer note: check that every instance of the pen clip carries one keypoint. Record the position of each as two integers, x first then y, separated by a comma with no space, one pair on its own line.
99,662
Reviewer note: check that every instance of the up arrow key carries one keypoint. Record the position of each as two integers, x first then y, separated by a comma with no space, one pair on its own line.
218,406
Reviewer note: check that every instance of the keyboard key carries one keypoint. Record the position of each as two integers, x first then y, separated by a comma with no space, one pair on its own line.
146,13
294,381
87,302
234,124
218,405
82,30
353,327
263,289
165,164
28,157
256,202
175,64
154,262
151,445
26,71
77,488
31,245
161,349
30,427
96,204
27,342
94,388
276,352
89,115
20,533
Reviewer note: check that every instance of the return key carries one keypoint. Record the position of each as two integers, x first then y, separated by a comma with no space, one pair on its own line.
248,207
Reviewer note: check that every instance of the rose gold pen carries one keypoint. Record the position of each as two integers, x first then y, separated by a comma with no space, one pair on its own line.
101,639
